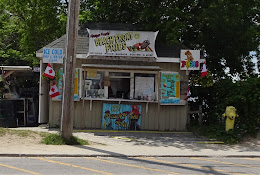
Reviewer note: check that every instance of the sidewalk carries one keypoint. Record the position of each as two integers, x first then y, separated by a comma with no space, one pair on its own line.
153,144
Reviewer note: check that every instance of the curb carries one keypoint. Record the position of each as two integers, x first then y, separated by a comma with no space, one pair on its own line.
102,155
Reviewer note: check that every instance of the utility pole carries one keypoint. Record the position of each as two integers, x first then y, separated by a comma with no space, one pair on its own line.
67,108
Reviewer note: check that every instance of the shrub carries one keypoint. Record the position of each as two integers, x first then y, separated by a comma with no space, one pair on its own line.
244,95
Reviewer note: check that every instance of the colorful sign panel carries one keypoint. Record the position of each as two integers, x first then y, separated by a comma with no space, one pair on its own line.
170,88
190,60
76,84
122,43
52,55
121,117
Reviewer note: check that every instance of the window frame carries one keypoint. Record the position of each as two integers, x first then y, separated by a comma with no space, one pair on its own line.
132,72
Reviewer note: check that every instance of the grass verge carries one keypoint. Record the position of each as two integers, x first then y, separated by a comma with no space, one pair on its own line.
47,138
56,139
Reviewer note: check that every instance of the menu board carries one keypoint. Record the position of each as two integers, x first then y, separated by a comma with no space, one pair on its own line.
170,88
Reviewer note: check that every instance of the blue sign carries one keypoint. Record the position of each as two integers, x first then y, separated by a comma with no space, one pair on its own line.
52,55
121,117
170,88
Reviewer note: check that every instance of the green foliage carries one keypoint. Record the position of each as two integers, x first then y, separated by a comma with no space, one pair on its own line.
217,132
25,27
56,139
206,81
225,40
244,95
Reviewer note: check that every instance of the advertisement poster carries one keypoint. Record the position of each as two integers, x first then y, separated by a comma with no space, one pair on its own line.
122,43
170,88
76,84
190,60
121,117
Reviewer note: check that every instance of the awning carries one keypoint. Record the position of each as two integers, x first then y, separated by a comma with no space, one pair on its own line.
120,67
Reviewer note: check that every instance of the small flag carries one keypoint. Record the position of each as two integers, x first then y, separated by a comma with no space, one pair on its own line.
204,70
49,72
54,90
188,93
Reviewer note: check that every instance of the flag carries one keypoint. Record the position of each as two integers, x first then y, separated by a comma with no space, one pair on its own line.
54,90
204,70
188,93
49,72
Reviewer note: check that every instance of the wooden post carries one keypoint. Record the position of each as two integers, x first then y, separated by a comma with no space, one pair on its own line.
159,99
83,100
69,70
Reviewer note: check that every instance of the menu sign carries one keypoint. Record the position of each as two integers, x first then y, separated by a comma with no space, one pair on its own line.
122,43
170,88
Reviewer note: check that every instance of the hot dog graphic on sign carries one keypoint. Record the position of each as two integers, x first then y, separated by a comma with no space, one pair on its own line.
190,60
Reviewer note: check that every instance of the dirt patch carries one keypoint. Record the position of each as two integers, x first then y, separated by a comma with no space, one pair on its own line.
13,139
251,141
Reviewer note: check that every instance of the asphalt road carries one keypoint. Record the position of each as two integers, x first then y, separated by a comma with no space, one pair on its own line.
127,165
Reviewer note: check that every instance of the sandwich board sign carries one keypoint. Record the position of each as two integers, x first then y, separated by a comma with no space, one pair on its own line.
52,55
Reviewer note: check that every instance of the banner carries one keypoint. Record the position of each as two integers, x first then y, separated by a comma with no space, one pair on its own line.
122,43
76,83
170,88
190,60
121,117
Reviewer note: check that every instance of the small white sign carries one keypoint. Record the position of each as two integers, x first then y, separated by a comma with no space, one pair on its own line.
36,69
52,55
190,60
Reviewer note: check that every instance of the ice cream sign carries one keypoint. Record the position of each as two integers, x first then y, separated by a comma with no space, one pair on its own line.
190,60
122,43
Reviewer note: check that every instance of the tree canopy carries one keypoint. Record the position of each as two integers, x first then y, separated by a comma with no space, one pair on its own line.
226,31
26,26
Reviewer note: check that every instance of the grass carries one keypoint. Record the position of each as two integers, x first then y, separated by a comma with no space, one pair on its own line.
47,138
56,139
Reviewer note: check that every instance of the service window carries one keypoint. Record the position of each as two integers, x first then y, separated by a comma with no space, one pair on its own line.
116,84
94,84
144,86
119,85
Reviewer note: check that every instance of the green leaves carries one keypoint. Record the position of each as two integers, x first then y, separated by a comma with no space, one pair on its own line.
225,31
26,26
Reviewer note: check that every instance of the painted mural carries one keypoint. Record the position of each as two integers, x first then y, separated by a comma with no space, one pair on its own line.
121,117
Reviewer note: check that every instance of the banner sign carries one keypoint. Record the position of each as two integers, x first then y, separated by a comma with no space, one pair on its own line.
121,117
52,55
76,83
122,43
170,88
190,60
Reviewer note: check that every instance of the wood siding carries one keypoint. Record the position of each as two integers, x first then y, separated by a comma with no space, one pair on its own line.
172,118
158,117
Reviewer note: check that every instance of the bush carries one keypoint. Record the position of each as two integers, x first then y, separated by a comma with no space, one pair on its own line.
244,95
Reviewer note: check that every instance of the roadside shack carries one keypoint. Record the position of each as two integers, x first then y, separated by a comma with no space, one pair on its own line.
18,96
125,80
